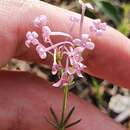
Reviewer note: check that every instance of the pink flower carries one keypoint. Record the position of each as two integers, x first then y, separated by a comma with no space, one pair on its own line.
46,33
86,5
75,54
78,67
40,21
55,66
41,51
71,48
77,42
74,19
89,6
98,27
63,81
85,42
75,61
31,38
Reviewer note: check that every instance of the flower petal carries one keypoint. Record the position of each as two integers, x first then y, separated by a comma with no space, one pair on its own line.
41,51
90,45
40,21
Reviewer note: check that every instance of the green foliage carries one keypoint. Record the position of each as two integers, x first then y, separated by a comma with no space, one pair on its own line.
111,11
99,96
116,12
124,27
63,123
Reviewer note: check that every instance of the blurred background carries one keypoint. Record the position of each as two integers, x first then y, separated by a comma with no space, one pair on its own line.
109,98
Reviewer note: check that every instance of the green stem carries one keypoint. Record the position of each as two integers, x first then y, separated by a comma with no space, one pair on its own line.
64,106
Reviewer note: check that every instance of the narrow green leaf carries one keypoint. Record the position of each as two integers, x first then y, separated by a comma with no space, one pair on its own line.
51,123
54,116
69,115
74,123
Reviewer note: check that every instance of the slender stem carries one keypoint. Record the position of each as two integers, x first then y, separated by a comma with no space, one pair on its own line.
64,106
82,20
61,34
58,44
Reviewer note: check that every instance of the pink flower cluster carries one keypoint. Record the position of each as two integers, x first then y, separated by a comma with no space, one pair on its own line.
97,27
71,49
